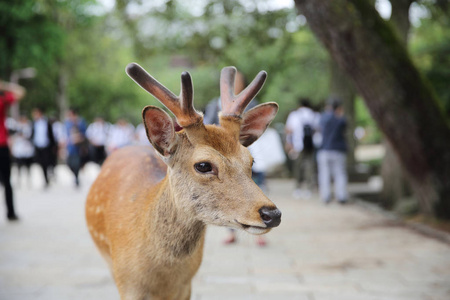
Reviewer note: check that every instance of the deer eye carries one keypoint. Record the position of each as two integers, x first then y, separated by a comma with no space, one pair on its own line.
203,167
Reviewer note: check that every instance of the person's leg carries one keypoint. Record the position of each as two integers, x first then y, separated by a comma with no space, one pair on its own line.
102,155
40,157
297,171
46,163
19,163
340,176
309,171
73,161
28,162
324,176
231,238
5,177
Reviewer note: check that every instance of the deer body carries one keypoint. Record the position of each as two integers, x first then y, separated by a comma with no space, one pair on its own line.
147,211
154,237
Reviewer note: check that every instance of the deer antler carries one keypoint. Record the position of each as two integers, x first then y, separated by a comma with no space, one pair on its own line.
182,107
234,105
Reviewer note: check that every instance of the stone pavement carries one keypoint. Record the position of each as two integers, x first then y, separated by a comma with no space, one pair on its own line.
319,252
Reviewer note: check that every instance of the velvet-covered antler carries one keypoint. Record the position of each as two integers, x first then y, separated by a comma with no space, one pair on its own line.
182,106
235,105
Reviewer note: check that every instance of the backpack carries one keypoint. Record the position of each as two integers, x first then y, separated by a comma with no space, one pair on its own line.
308,144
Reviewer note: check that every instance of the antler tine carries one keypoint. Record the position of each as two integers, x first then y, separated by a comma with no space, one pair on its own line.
187,96
235,105
182,107
227,77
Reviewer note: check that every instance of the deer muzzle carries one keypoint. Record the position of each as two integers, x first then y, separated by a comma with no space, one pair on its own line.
270,216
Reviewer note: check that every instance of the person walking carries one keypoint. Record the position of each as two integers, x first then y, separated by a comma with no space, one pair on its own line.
331,157
9,93
22,148
300,127
75,143
97,134
44,142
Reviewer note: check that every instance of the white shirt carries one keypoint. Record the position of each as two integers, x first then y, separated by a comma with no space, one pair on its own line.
40,138
97,133
296,122
141,135
21,145
59,131
267,151
120,136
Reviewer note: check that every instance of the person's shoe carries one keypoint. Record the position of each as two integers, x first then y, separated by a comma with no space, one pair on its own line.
230,240
307,194
13,218
297,194
261,242
343,202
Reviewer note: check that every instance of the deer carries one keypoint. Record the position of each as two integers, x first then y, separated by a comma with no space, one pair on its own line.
148,208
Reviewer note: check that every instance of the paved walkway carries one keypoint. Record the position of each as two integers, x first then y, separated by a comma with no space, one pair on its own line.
319,252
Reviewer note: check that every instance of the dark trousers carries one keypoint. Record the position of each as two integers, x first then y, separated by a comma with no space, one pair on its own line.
74,163
304,170
5,176
43,156
98,154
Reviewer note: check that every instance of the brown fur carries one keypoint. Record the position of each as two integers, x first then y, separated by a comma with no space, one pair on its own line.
150,225
148,219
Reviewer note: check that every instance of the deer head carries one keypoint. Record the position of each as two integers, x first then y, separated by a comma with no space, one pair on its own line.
209,166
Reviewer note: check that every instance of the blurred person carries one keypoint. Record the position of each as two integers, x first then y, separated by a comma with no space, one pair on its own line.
300,127
331,157
141,135
22,148
59,132
9,93
212,110
75,143
43,141
120,135
97,135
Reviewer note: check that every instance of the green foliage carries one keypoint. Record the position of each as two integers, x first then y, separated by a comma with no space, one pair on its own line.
28,36
229,33
66,40
430,47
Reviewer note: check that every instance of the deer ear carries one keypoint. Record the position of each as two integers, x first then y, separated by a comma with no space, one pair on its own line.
160,130
255,122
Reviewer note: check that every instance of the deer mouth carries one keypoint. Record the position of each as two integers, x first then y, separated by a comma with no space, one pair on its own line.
257,230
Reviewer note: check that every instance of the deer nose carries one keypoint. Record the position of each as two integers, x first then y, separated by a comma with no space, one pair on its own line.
270,216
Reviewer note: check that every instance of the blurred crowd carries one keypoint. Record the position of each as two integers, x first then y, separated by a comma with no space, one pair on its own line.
315,143
47,141
312,144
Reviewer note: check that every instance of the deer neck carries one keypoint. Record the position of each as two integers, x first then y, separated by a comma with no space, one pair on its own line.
179,233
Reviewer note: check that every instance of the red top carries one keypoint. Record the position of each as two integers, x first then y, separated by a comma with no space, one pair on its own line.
6,99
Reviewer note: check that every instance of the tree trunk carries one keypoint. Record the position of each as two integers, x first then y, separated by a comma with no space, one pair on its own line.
396,187
395,184
400,18
400,101
61,94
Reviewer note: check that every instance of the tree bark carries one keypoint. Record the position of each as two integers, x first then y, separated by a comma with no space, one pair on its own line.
395,184
400,18
400,101
61,94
